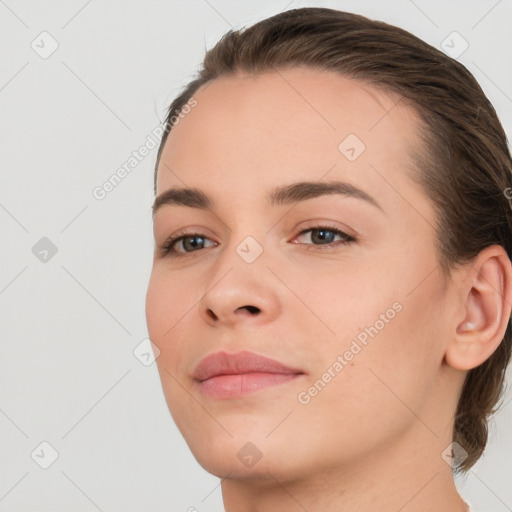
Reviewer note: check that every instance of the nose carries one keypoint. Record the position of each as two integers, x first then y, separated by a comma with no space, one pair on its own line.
238,292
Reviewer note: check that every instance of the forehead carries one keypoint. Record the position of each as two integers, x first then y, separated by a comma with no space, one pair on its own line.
249,132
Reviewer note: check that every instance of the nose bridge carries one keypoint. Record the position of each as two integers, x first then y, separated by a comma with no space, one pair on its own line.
244,246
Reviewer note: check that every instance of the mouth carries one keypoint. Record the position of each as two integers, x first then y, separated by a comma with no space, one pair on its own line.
223,375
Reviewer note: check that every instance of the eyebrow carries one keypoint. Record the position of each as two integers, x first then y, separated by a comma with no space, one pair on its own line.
282,195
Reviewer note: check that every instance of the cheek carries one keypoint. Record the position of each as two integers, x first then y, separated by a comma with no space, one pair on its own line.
167,305
383,381
159,301
342,302
389,347
168,299
166,316
401,362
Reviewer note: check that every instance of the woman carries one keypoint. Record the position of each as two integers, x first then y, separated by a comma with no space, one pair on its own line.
332,286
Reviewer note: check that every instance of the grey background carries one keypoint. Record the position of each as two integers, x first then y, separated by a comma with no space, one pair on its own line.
70,324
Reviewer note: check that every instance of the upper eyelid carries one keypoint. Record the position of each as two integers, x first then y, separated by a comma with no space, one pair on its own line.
317,224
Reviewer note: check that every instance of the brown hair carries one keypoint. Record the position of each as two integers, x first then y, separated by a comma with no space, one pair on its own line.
464,166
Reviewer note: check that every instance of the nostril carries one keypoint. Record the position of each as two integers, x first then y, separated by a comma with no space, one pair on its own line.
251,309
212,314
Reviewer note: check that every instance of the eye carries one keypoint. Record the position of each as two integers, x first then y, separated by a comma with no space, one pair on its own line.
321,236
325,236
185,241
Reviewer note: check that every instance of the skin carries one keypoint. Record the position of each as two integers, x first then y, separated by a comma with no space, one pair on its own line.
373,437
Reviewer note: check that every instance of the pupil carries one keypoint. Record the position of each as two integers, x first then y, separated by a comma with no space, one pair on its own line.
322,236
193,244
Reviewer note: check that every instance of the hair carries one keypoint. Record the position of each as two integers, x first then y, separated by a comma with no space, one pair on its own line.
463,163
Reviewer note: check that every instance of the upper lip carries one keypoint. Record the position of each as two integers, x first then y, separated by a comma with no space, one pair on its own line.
222,363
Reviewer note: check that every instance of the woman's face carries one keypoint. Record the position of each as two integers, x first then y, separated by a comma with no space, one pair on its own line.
361,315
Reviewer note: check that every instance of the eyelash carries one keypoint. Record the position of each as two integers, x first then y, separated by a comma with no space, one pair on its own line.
167,248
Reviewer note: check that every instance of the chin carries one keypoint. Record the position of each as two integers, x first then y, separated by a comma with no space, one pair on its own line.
246,455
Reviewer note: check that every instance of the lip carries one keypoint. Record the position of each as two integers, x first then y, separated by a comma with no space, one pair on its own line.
224,375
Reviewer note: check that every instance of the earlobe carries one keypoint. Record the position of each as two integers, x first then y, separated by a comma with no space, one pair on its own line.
487,304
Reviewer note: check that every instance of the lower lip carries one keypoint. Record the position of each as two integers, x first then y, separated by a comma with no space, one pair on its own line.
230,386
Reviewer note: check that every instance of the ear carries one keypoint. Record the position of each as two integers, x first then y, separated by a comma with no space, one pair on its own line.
486,303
